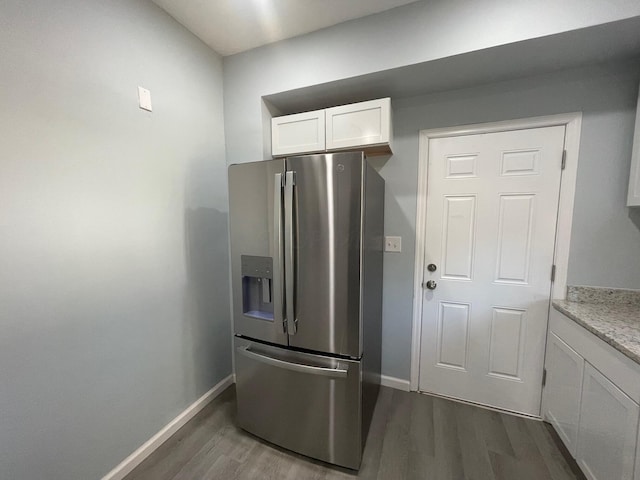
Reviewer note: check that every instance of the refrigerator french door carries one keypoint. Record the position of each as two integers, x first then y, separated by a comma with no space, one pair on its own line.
306,256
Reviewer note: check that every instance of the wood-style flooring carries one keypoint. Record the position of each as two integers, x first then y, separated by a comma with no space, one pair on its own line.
412,436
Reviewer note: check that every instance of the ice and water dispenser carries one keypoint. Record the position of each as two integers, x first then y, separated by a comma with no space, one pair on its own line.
257,287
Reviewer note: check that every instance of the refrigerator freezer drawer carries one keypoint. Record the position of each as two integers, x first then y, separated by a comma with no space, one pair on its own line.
310,404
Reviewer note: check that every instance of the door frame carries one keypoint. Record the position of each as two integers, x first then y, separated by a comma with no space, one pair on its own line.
572,123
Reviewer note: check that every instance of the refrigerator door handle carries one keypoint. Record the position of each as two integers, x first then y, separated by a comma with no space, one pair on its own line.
295,367
289,254
279,250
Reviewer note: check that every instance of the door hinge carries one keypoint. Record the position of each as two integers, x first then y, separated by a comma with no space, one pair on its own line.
544,377
553,273
564,160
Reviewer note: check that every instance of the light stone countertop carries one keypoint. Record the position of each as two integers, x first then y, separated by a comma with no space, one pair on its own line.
618,324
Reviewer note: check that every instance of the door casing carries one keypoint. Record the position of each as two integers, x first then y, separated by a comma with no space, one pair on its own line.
572,123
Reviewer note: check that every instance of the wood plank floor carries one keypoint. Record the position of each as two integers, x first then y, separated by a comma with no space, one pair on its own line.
412,436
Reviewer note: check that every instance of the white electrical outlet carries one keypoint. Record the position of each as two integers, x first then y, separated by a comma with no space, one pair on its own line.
144,98
392,244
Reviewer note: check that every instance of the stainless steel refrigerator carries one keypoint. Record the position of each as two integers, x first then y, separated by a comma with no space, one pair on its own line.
306,257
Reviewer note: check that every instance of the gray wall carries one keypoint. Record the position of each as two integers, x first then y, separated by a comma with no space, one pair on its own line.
605,242
114,296
113,221
419,32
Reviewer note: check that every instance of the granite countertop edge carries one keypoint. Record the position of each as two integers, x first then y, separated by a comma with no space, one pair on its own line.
586,317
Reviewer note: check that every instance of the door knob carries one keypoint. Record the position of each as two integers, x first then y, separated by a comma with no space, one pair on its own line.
431,285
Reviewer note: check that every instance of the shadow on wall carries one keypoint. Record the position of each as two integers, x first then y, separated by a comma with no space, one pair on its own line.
207,327
378,161
397,296
634,215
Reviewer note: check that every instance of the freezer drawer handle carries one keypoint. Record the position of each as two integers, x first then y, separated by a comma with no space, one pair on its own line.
296,367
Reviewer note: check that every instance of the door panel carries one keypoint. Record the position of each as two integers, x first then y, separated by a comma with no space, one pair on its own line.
310,404
506,349
327,220
514,238
492,206
458,236
256,271
453,335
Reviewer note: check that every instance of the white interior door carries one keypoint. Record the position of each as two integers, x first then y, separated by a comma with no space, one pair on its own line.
492,206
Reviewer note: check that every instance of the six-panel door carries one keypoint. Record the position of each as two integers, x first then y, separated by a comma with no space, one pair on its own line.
492,207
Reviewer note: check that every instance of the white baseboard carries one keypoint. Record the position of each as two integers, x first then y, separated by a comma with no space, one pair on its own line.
393,382
136,458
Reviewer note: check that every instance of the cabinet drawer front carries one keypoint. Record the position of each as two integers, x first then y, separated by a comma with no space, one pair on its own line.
608,429
310,404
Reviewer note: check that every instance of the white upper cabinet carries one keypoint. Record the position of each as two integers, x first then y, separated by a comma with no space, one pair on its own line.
299,133
633,199
364,124
357,126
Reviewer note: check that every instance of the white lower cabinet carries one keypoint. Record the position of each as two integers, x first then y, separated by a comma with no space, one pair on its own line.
563,389
637,474
608,429
591,398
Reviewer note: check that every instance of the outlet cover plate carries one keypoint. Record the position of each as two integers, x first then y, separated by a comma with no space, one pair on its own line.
144,99
392,244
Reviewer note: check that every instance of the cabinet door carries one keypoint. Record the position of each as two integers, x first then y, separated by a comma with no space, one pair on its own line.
359,125
608,429
299,133
637,474
563,390
633,200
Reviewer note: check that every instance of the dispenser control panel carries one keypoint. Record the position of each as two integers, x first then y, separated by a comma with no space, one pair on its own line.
253,266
